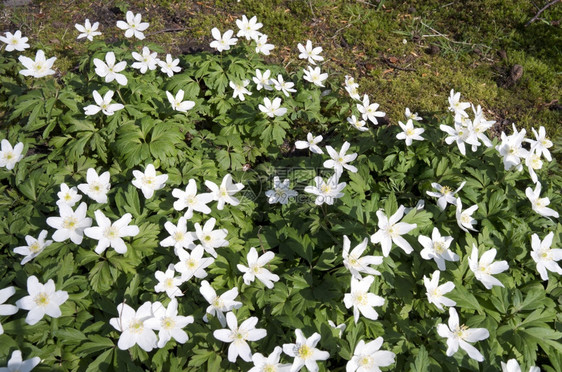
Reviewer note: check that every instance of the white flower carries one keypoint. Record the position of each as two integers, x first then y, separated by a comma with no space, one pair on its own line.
357,264
540,205
238,335
88,30
146,61
412,116
209,238
368,357
33,247
456,106
544,256
240,89
269,364
179,237
327,191
9,155
272,108
281,192
263,81
309,53
168,323
533,161
97,186
14,41
513,366
255,268
110,234
134,327
480,125
109,70
133,26
390,230
224,193
191,200
409,132
219,304
285,87
484,268
249,28
358,124
444,194
68,196
362,300
541,144
464,218
6,309
224,41
461,135
16,364
352,88
262,46
305,352
437,248
104,104
435,292
458,335
43,299
512,150
170,65
340,160
192,264
340,327
40,67
70,224
148,182
310,143
178,103
369,110
315,76
168,283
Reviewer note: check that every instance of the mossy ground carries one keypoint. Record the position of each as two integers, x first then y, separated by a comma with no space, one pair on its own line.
384,44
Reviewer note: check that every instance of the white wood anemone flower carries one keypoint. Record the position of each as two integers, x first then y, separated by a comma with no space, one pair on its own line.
368,357
96,187
281,192
391,231
168,323
437,248
238,336
134,327
262,46
148,182
168,282
68,195
133,26
103,104
464,218
169,66
34,247
209,238
111,234
315,76
263,80
484,268
9,155
362,301
191,200
544,256
17,364
177,102
109,70
179,237
409,133
88,30
192,264
255,268
369,110
305,352
6,309
218,305
14,41
444,194
460,335
285,86
225,192
540,205
311,143
326,191
43,299
269,364
38,68
222,41
513,366
357,264
340,160
146,61
239,89
310,53
70,224
436,293
249,28
272,108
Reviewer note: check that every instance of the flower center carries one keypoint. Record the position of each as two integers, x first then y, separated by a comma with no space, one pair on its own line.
35,247
147,180
540,203
42,299
325,189
217,303
256,269
168,323
169,283
269,368
9,156
111,233
409,132
67,197
69,223
446,190
366,362
191,264
178,236
303,351
360,298
207,238
439,247
136,326
465,218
